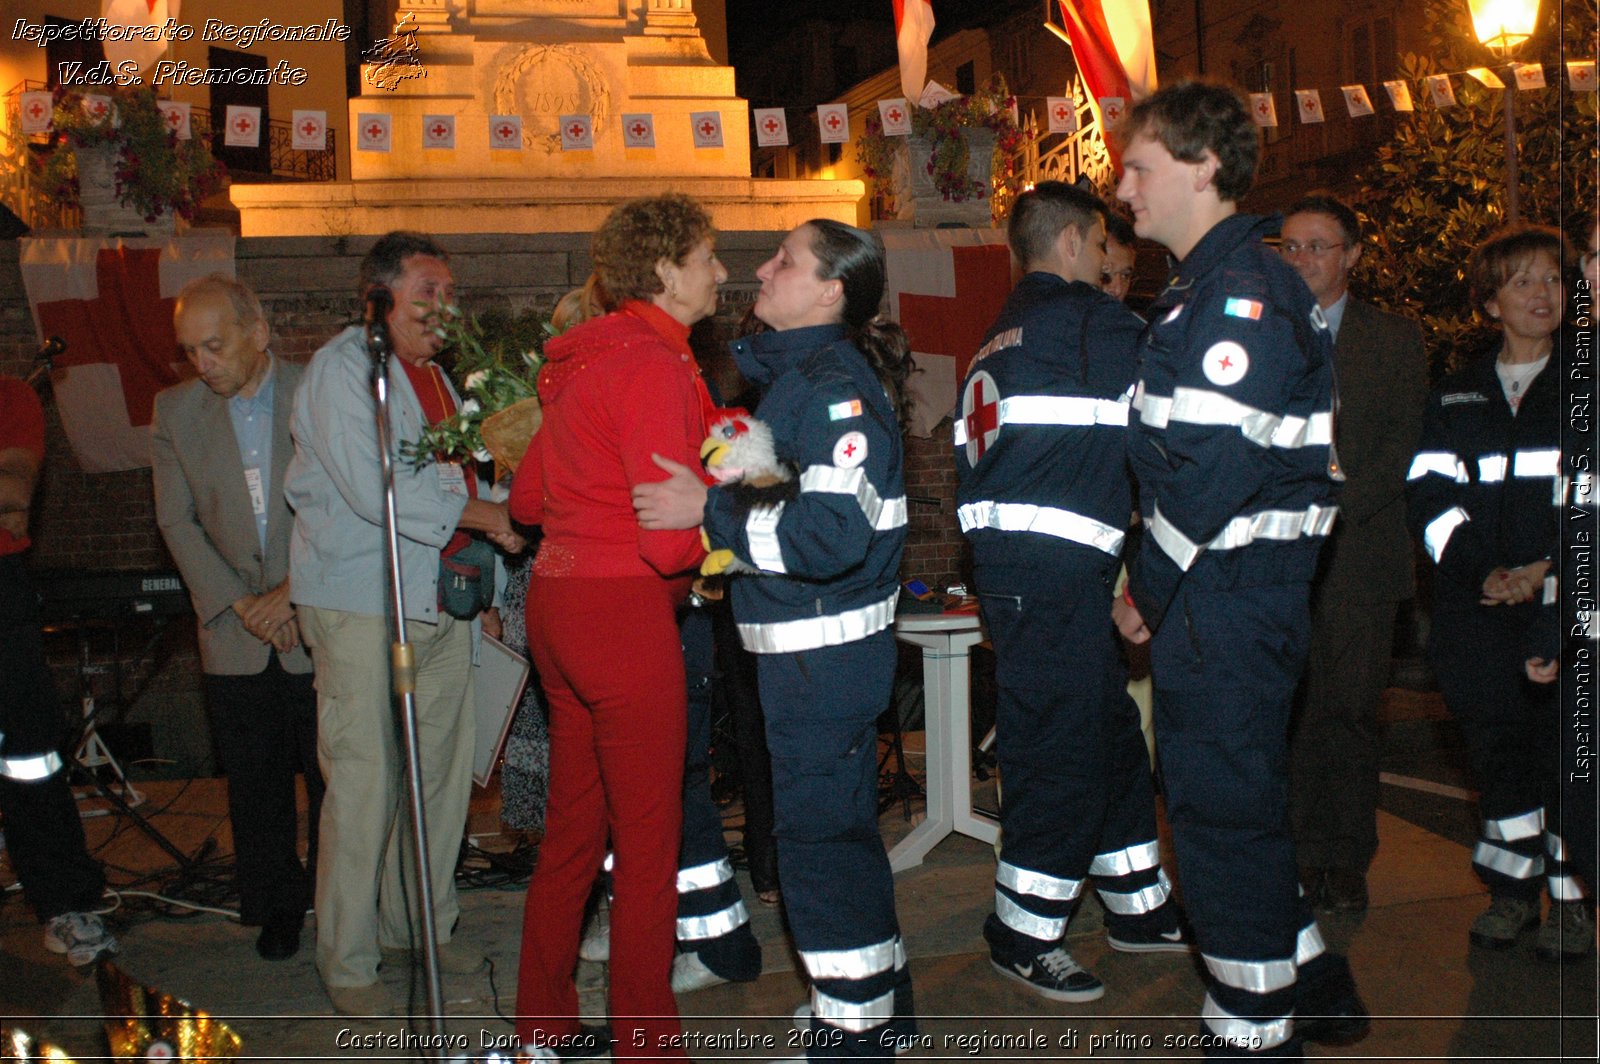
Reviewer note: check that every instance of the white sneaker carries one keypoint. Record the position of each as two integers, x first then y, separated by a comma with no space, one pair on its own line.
802,1023
596,943
81,936
689,973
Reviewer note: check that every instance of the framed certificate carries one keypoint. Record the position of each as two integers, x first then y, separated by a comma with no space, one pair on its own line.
498,680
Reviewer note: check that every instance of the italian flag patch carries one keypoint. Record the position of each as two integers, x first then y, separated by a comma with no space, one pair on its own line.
1242,308
840,411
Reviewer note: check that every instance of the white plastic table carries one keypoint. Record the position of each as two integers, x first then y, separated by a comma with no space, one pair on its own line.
946,640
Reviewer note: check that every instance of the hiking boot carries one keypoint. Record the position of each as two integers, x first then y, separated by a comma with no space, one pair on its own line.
81,936
1503,921
1568,932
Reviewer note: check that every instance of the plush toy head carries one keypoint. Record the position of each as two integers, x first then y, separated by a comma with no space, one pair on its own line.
739,450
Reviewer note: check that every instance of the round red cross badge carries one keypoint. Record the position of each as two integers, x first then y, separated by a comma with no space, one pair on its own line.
850,450
160,1050
1225,363
980,412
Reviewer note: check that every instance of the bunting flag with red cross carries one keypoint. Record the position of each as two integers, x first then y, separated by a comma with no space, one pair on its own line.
833,120
439,131
177,117
896,118
243,128
1309,104
639,131
308,131
706,127
772,128
1263,109
35,111
946,287
111,301
505,132
1061,113
577,133
372,132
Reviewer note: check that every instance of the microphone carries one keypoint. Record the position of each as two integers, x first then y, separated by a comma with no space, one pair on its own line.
379,302
50,349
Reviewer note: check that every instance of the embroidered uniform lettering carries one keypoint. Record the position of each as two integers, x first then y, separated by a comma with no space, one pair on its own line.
1008,338
1455,398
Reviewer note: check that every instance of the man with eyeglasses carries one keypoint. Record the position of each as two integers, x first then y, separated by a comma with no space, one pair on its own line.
1116,276
1366,568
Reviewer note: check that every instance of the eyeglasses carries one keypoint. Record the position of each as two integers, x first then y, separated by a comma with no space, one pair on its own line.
1316,248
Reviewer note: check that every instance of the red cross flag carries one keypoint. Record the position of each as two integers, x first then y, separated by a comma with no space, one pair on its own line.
243,129
707,128
140,17
35,110
1487,77
1263,109
945,288
772,128
505,132
111,300
577,133
913,28
1580,75
177,117
1440,91
439,131
97,106
1309,104
1113,109
1356,100
308,131
896,118
833,119
1399,95
639,131
1529,75
372,132
1061,113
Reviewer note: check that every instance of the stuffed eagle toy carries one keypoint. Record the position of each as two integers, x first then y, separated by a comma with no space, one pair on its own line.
738,454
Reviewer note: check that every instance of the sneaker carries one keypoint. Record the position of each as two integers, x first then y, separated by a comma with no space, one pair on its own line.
1052,974
1503,921
802,1024
596,943
1568,932
81,936
1134,940
689,973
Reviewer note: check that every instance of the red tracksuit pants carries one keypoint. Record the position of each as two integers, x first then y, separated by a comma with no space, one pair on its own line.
609,657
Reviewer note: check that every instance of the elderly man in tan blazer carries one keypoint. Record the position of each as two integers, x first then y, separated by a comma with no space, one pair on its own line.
219,446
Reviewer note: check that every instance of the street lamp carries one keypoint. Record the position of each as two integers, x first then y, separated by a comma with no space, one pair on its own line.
1503,26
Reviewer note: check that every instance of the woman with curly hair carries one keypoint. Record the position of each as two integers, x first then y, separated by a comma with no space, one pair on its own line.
615,390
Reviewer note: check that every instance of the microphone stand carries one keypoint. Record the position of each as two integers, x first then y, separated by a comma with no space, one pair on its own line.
403,669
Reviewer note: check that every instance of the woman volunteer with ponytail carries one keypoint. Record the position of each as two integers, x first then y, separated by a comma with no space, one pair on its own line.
818,614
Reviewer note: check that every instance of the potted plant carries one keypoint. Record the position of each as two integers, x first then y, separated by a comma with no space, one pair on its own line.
116,157
959,152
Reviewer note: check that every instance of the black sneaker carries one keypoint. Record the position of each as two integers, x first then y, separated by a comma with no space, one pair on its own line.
1328,1008
1137,940
1052,974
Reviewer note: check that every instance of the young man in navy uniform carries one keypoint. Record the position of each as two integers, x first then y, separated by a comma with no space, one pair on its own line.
1237,479
1044,497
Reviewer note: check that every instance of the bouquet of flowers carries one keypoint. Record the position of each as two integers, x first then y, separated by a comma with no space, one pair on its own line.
943,127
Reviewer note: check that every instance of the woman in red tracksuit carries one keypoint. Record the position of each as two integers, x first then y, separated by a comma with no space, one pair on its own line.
601,627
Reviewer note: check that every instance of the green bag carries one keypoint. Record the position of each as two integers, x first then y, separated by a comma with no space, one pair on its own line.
466,580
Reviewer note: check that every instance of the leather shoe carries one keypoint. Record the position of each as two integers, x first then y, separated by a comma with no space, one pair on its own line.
280,936
1344,891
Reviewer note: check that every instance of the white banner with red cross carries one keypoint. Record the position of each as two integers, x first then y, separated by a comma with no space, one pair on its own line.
946,287
111,300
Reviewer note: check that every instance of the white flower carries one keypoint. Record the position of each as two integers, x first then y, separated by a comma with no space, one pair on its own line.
469,407
475,380
482,455
531,358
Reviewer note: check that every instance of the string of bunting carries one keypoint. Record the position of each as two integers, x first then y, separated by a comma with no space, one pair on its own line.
309,128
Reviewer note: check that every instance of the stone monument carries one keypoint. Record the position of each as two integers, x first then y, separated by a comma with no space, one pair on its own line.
539,61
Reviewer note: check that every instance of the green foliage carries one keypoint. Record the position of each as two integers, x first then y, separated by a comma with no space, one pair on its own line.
1439,188
944,127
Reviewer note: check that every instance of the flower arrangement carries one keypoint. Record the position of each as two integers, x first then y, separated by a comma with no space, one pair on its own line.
944,127
494,361
155,172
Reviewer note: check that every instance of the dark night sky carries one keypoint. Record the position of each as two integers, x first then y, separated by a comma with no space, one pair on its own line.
751,18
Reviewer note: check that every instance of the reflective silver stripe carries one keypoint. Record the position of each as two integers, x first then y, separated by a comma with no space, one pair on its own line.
1514,828
881,514
1564,888
1080,411
1154,410
30,769
761,528
1491,468
861,963
1536,463
1149,899
1258,977
1045,520
1197,406
1444,463
1555,847
1177,546
850,1015
1436,536
1309,944
1314,520
1550,596
1242,1032
1021,920
1515,865
703,877
809,633
1135,858
713,925
1027,881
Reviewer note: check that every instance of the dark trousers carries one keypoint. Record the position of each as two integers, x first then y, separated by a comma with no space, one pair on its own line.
43,832
737,691
712,919
1333,755
265,727
1509,724
1225,665
1078,796
822,708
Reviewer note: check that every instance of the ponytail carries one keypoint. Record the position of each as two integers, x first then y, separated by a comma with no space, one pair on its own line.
888,351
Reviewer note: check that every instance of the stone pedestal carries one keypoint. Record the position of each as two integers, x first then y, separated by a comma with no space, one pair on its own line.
918,199
103,212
